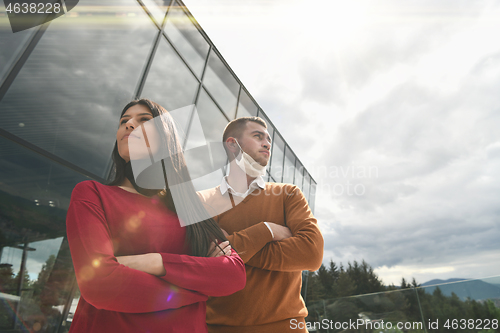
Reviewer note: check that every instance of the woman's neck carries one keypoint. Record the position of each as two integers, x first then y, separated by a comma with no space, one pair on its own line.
127,186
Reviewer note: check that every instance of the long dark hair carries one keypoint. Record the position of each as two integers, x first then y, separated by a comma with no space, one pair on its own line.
199,235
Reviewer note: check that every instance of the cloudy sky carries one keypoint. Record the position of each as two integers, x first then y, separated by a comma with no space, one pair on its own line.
394,108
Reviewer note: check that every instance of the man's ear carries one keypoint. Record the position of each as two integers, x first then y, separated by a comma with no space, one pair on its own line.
231,144
231,148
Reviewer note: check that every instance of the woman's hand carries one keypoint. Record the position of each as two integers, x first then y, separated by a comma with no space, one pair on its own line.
215,251
151,263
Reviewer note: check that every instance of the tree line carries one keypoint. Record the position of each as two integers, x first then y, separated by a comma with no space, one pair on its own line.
354,293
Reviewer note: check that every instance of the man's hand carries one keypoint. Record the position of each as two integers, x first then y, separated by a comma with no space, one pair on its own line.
280,232
214,251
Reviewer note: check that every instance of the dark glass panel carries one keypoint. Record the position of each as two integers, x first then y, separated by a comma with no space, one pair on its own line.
171,84
246,107
289,169
212,119
69,94
187,39
12,44
221,84
299,170
306,185
207,128
163,4
312,195
270,129
34,197
157,8
269,178
277,157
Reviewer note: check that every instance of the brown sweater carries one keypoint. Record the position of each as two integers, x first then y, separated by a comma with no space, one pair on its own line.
271,297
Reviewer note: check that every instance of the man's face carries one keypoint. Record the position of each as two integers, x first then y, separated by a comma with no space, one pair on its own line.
256,142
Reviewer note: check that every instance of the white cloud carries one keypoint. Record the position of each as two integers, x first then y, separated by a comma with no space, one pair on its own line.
411,89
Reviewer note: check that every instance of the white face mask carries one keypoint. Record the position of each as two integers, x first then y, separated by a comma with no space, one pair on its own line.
249,165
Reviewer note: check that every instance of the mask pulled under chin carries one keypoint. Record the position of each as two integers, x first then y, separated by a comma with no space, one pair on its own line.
249,165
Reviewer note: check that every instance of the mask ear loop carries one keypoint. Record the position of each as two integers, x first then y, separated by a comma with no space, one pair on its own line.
241,150
238,144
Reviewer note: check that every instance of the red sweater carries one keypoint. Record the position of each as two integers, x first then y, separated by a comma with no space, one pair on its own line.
107,221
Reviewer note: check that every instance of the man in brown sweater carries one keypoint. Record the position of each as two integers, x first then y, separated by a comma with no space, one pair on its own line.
272,228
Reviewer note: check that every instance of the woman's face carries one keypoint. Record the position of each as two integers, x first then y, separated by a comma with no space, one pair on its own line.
135,135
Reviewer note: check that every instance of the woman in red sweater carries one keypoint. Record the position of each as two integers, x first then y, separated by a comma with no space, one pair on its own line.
138,268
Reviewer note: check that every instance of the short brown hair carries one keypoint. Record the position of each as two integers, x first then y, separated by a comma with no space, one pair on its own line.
236,126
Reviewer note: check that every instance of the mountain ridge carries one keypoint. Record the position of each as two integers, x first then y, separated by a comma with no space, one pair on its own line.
464,288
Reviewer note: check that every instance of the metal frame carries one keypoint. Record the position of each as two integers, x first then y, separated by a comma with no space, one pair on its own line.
38,35
30,45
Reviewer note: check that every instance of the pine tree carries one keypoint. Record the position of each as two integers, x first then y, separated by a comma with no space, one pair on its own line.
44,274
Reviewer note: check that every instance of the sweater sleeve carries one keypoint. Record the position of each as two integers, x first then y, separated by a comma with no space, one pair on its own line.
104,282
246,242
220,276
251,240
302,251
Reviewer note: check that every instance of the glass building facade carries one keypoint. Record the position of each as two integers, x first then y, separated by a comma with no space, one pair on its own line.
62,88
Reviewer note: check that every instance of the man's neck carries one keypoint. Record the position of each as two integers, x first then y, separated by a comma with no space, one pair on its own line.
238,179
